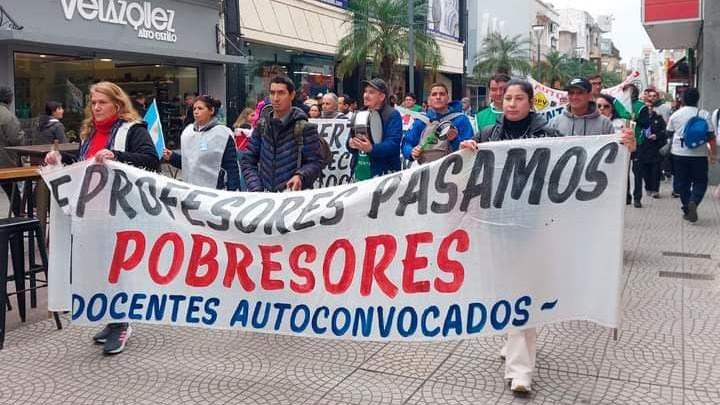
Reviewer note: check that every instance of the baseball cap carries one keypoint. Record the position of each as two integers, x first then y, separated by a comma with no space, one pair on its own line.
579,83
377,84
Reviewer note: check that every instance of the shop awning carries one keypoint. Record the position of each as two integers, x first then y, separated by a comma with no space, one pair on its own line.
100,47
672,24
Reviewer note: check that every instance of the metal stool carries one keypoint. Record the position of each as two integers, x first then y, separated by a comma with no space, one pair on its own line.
12,235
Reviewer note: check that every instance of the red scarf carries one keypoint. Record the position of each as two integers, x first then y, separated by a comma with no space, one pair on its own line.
101,136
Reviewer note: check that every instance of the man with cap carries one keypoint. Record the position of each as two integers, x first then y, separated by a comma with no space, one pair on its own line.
384,156
581,117
10,135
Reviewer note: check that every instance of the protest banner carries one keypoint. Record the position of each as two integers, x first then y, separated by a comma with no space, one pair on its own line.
335,132
514,235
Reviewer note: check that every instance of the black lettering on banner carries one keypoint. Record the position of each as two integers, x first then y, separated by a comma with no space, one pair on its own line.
155,209
121,187
288,205
190,203
252,226
337,131
218,209
484,164
170,201
55,185
309,207
343,163
516,168
383,194
337,203
580,156
86,195
419,177
597,176
443,187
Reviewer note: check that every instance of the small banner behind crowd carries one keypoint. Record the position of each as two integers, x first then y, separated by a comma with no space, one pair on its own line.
336,133
516,234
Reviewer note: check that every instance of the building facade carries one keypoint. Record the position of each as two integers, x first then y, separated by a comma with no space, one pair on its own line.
546,39
300,38
163,49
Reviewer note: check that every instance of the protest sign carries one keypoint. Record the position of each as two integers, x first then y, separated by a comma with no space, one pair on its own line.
517,234
335,132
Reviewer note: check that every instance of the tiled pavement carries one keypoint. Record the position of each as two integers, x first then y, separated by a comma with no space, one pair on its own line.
666,351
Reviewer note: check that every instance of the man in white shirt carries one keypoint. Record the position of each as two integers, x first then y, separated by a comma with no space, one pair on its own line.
691,164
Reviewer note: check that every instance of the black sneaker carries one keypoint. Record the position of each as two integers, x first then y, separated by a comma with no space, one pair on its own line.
637,204
119,335
692,215
101,336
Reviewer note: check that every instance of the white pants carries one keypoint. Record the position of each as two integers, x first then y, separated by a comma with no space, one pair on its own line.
520,351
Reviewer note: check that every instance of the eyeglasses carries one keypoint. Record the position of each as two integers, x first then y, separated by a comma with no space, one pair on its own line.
603,106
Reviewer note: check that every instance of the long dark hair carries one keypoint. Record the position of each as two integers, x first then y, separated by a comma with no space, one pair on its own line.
50,108
610,100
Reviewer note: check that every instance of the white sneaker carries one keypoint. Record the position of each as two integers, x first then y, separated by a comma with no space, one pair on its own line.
521,385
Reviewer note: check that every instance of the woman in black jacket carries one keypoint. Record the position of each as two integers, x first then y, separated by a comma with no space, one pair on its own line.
50,129
112,130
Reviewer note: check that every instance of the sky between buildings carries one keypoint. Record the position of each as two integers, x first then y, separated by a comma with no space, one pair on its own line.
627,33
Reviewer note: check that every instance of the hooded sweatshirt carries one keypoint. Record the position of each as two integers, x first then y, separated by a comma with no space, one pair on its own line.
592,123
49,130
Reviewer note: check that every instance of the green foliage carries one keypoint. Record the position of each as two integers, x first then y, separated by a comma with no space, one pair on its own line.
502,54
557,69
379,34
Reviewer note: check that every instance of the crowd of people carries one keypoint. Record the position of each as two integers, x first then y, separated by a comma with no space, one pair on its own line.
284,151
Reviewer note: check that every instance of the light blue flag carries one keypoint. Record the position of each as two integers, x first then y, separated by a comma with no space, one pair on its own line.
152,118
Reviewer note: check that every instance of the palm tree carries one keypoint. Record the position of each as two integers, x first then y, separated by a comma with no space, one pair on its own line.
501,54
379,33
553,70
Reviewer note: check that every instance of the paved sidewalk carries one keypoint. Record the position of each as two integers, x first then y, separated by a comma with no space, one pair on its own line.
666,353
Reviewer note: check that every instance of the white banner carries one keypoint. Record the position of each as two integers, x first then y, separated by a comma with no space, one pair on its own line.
517,234
335,132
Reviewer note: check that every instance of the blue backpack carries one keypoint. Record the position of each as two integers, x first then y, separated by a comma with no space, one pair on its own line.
696,132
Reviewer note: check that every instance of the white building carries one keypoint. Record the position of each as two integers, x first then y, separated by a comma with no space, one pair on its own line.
580,34
545,30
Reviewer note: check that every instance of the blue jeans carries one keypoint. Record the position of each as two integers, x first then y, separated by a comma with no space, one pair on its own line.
692,178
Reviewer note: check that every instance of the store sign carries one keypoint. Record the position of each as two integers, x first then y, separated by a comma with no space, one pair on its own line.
150,23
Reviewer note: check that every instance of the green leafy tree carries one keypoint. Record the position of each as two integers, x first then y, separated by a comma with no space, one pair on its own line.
502,54
553,70
379,34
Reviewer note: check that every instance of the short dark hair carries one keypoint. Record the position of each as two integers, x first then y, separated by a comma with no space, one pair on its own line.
347,99
284,80
210,102
595,76
51,106
500,77
436,84
610,100
524,85
691,97
411,95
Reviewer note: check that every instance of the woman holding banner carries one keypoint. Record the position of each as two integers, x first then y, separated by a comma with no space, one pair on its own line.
112,130
518,121
208,157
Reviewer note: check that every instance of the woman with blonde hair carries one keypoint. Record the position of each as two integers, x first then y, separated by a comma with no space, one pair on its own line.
112,130
245,119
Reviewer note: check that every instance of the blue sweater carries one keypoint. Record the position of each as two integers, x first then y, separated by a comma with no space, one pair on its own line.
461,122
384,156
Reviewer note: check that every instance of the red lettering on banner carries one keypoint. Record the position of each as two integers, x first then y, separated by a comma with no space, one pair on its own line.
453,267
348,270
412,263
120,261
178,253
238,267
375,269
268,266
303,272
199,259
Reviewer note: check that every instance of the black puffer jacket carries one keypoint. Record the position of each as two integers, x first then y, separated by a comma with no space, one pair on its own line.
537,128
649,150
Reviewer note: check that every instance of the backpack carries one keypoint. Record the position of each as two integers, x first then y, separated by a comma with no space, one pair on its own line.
324,152
695,132
433,148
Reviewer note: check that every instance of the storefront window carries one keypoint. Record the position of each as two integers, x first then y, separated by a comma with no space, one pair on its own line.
67,79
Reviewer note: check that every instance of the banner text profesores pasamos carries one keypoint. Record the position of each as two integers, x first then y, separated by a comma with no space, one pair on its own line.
516,234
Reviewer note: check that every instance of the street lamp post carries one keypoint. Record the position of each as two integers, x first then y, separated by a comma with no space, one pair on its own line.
411,45
538,29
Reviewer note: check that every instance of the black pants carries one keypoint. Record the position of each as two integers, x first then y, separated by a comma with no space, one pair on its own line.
692,178
15,203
